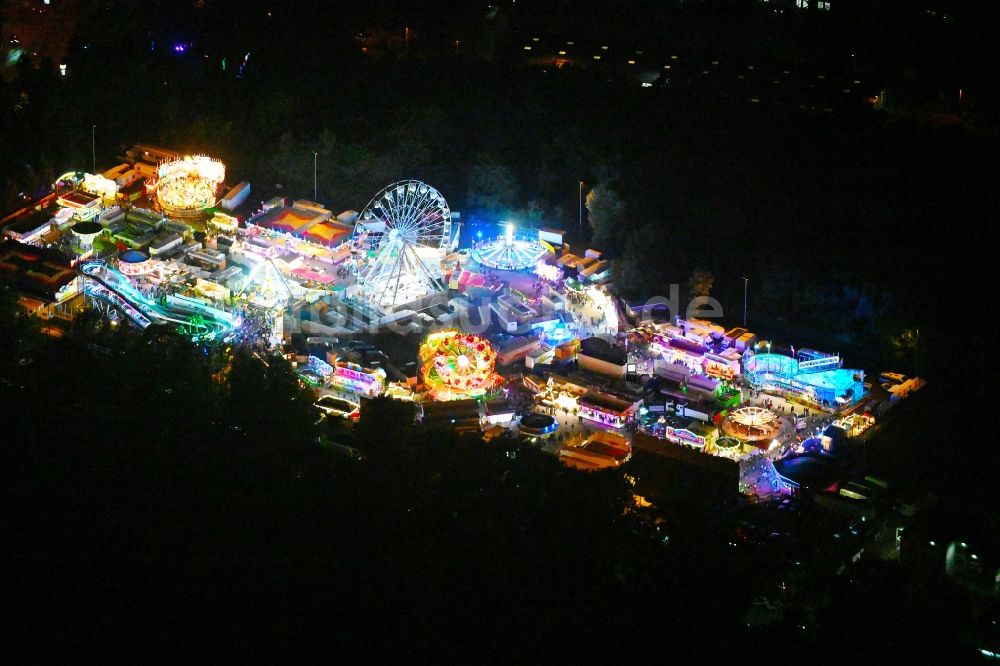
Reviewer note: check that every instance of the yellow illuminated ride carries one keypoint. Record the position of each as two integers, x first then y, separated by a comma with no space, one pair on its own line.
188,186
455,365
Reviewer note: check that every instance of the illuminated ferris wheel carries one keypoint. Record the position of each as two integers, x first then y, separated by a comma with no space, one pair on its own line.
401,236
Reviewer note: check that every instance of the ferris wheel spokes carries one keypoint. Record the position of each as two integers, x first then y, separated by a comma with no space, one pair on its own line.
402,230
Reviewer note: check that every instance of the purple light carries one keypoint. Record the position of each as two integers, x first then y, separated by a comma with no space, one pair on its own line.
180,48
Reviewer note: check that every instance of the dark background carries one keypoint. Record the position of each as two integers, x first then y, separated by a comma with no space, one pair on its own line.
153,507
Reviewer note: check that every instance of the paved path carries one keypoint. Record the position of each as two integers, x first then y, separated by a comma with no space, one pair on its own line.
571,424
594,319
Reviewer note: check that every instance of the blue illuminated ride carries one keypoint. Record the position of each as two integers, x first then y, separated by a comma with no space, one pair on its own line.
813,377
509,252
187,315
557,335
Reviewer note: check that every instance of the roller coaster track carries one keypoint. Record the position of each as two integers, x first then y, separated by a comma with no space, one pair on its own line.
820,364
188,316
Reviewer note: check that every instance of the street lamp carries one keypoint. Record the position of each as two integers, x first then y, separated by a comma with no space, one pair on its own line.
581,204
745,280
93,145
315,188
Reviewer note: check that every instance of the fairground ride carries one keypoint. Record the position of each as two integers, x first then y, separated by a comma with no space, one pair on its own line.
456,366
114,294
509,252
401,237
187,187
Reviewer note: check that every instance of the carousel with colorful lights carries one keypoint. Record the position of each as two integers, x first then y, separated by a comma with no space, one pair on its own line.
457,366
187,187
